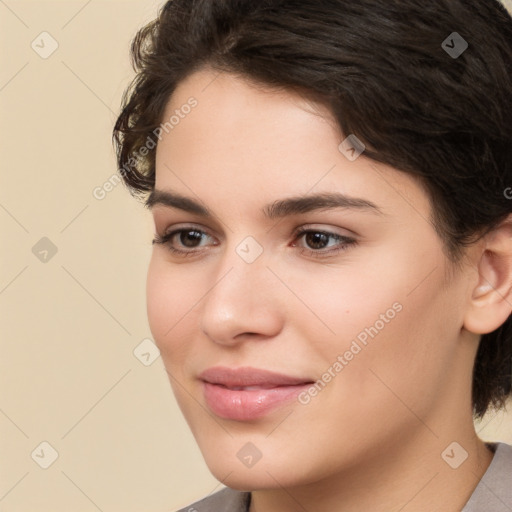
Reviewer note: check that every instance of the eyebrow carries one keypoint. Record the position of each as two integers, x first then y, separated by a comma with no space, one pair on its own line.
278,209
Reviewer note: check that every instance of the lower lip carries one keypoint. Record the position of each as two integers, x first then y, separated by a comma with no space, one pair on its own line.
248,405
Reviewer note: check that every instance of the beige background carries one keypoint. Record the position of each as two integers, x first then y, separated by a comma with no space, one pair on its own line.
70,324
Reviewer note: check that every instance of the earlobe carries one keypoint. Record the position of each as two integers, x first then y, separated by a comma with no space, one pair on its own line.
491,301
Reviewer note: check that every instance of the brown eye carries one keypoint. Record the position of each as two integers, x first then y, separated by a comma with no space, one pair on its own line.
182,241
189,237
317,240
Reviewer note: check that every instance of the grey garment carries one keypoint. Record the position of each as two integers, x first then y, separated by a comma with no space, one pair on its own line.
227,500
494,491
492,494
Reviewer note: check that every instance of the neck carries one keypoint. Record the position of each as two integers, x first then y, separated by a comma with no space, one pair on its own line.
408,475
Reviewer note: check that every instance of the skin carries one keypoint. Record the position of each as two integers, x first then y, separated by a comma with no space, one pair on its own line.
372,438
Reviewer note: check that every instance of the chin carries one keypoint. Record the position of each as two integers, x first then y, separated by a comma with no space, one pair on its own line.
264,474
253,480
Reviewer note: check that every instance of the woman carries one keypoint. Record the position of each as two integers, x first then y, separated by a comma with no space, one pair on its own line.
331,281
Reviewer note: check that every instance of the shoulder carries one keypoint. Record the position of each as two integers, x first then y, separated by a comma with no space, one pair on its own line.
494,491
226,500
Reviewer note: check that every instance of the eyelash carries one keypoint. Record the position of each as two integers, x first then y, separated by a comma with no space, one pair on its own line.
346,242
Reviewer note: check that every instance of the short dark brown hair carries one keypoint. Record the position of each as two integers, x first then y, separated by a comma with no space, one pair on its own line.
386,73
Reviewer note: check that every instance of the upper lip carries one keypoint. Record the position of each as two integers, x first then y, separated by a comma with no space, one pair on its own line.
247,376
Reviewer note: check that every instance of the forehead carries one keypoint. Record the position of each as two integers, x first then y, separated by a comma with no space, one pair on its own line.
253,145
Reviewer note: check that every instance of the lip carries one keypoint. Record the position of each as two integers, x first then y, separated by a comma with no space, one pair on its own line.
247,393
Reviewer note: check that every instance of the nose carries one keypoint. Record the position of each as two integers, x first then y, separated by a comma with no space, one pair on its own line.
242,303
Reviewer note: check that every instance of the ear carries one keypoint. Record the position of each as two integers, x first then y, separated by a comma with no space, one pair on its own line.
491,301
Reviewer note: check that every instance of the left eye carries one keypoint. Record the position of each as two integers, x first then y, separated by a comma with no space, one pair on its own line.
315,237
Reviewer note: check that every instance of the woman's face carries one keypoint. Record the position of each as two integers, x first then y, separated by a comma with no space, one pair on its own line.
370,318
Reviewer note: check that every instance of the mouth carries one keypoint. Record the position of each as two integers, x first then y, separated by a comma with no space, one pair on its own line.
248,377
248,388
246,393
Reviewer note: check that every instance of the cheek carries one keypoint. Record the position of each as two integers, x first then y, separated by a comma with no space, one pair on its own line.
348,302
388,321
169,302
404,364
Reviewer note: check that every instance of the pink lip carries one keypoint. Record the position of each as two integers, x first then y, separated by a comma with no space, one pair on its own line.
272,390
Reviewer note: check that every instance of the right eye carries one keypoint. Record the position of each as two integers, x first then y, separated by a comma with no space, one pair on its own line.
187,237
